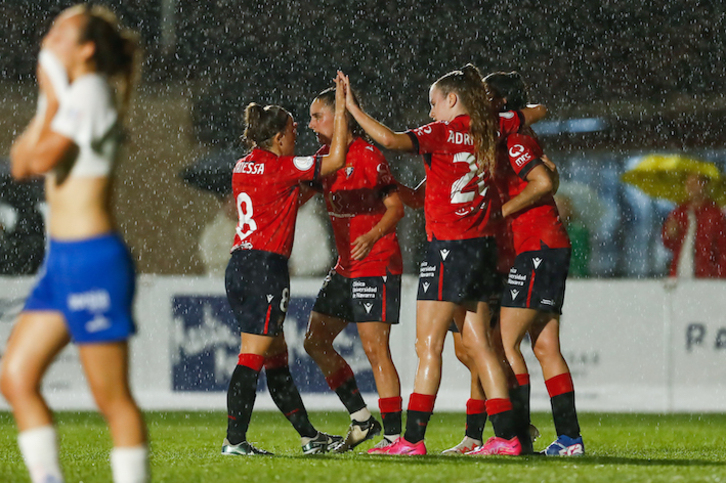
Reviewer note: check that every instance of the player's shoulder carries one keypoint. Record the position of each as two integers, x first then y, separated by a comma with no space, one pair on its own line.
365,151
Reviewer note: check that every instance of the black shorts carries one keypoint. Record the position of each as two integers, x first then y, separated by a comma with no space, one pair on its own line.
537,280
362,299
494,301
459,270
258,291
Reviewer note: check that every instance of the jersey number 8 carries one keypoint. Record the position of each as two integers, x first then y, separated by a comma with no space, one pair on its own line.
245,213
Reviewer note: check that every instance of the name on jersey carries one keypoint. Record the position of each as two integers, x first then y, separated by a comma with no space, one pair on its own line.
460,138
520,156
248,167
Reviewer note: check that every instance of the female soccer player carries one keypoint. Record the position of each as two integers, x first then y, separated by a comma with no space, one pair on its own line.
461,208
535,288
266,188
365,285
86,288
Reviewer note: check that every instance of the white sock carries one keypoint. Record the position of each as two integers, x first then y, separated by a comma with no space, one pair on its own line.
130,464
362,415
39,447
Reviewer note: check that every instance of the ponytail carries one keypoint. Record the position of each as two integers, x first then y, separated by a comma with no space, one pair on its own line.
116,52
467,84
263,123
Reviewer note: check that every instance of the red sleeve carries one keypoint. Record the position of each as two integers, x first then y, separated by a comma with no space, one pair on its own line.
510,122
429,138
721,241
300,168
524,154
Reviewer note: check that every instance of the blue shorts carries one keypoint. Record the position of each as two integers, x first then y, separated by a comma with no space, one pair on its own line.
92,283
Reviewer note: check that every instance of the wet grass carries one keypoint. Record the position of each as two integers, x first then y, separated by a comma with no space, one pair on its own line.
185,448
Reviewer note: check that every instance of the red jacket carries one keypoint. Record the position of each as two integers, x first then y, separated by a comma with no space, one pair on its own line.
709,256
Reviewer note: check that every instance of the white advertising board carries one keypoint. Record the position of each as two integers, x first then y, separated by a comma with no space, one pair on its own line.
631,346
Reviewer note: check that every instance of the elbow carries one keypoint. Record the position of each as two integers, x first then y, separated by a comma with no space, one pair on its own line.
389,141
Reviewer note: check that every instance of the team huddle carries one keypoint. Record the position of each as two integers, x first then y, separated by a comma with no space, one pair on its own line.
493,272
494,237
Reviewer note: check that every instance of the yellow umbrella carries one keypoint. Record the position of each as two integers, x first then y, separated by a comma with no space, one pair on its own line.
664,176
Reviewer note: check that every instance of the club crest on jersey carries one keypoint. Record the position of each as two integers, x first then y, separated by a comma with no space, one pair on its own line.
514,293
536,262
368,307
348,171
444,253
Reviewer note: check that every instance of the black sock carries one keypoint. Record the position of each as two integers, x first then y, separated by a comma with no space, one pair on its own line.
475,425
350,396
240,401
565,415
287,398
416,422
504,424
392,423
520,405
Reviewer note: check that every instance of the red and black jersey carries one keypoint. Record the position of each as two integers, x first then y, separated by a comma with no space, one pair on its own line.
460,203
266,189
354,198
537,226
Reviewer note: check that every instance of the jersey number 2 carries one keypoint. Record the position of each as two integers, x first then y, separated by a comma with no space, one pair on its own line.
245,213
459,196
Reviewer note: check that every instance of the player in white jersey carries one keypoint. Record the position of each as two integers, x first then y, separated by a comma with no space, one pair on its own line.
86,287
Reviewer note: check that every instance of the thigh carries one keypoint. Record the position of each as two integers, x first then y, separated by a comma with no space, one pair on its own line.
545,332
324,328
35,341
433,319
106,366
374,335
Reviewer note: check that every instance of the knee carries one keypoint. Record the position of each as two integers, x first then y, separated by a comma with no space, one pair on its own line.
376,354
545,352
15,384
429,349
462,355
313,345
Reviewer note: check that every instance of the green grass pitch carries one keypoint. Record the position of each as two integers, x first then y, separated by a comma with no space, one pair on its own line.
185,447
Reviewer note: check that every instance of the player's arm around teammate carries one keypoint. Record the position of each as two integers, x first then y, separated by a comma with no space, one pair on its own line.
532,299
86,288
364,286
459,150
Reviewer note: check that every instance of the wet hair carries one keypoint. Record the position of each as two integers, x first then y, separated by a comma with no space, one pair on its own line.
263,123
117,51
327,97
510,86
473,93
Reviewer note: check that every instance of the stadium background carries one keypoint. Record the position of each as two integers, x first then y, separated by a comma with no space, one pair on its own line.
651,74
620,81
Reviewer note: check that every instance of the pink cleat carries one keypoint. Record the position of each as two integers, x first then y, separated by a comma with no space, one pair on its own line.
401,447
498,446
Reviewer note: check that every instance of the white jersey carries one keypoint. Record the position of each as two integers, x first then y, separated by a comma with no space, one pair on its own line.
87,115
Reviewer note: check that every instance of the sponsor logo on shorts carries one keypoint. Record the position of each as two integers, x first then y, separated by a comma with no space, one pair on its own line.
427,271
93,301
516,279
98,324
514,293
426,286
444,253
368,307
269,298
360,290
547,302
536,262
385,278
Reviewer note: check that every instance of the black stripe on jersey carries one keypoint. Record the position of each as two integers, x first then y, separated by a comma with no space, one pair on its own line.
529,167
318,167
414,141
387,190
520,115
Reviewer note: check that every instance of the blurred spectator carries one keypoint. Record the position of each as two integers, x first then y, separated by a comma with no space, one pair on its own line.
22,232
696,234
579,236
